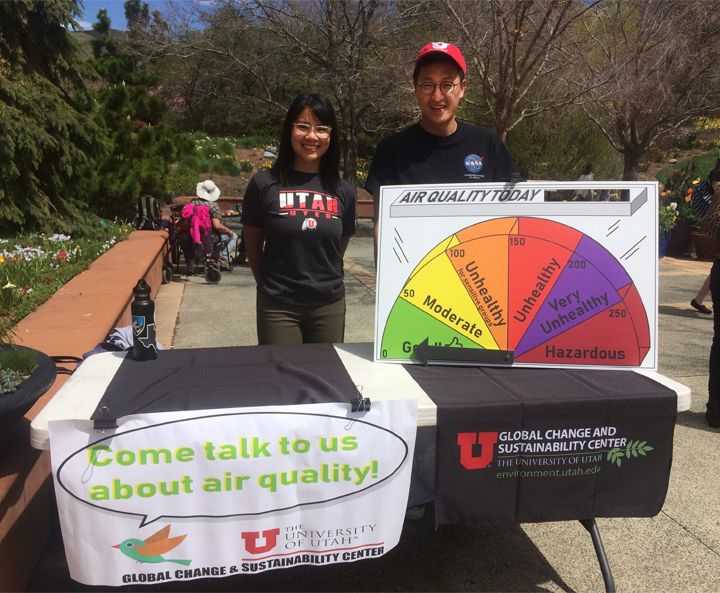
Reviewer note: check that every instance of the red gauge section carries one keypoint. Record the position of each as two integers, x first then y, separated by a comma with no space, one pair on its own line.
535,265
606,339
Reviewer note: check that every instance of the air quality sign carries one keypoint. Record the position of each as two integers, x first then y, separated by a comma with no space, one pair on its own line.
496,267
254,478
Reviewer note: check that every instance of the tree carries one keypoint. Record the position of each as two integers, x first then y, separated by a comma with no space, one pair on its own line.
518,50
265,52
48,139
141,147
665,54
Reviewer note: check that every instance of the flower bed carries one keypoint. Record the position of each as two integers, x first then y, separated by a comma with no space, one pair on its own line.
34,266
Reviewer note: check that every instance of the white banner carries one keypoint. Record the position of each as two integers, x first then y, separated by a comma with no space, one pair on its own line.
185,495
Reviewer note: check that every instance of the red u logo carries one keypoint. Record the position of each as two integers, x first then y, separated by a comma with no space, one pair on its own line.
486,440
251,538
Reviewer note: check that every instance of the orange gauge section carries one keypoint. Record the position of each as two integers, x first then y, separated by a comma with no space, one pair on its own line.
482,265
497,226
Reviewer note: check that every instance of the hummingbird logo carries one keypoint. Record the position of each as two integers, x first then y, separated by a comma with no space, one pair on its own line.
151,549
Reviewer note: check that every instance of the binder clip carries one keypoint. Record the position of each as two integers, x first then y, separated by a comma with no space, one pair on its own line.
103,423
361,404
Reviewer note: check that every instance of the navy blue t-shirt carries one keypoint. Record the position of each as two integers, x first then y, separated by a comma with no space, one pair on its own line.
468,155
303,222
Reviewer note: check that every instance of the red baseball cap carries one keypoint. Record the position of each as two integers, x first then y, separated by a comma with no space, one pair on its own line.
440,47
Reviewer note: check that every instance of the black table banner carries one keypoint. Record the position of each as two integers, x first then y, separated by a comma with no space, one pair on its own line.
242,376
533,445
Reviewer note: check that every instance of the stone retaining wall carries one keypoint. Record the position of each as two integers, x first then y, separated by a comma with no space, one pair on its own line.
72,322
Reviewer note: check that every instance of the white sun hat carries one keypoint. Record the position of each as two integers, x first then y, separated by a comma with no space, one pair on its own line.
207,190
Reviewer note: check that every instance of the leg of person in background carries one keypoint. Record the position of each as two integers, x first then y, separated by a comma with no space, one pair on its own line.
241,256
226,254
713,406
697,302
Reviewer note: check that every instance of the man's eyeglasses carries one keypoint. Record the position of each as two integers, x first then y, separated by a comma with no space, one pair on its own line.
446,88
320,131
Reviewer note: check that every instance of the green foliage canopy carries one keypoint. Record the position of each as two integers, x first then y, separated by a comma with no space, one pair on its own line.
48,138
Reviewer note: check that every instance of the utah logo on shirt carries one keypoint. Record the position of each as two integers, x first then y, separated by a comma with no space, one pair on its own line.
307,204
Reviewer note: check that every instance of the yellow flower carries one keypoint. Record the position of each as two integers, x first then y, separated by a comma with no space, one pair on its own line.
9,285
2,259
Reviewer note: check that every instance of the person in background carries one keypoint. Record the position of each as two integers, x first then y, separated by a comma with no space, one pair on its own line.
711,226
604,195
440,148
586,195
297,219
713,181
207,195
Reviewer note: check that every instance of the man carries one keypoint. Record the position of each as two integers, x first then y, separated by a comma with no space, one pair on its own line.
439,149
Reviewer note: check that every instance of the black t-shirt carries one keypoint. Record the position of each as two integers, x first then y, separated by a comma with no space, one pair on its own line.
468,155
303,222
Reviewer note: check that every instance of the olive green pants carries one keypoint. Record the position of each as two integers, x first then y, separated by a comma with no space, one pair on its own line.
280,323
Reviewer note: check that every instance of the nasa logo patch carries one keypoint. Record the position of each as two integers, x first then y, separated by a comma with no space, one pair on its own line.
474,163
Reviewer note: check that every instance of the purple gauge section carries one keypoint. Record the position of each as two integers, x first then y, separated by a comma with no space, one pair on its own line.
581,292
601,258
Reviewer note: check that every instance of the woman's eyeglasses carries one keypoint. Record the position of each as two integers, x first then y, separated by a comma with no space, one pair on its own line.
446,88
320,131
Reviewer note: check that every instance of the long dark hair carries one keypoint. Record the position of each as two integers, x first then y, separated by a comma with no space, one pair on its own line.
323,111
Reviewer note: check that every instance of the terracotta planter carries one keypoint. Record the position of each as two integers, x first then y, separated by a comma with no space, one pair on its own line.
680,238
705,246
16,404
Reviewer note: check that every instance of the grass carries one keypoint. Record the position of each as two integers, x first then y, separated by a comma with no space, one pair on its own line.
706,163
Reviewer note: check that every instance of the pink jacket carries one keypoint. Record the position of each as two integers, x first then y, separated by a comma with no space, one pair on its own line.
200,223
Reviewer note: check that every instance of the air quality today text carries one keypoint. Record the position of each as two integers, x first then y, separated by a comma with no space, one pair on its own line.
101,455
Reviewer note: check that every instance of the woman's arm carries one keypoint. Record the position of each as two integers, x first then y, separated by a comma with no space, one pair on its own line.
343,244
254,240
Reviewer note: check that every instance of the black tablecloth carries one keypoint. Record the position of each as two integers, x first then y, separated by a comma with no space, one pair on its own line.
477,403
539,485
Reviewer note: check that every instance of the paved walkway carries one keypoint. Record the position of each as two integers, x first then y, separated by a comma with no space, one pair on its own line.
679,550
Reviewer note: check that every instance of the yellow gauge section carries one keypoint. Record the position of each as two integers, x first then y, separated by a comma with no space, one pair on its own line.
437,290
437,250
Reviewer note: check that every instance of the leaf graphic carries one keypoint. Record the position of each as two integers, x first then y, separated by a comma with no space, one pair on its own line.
641,445
641,452
618,461
634,452
648,448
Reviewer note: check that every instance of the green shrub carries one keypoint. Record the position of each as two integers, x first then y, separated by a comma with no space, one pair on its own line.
183,182
9,380
249,142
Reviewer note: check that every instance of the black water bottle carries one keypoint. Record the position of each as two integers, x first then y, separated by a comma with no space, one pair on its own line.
143,323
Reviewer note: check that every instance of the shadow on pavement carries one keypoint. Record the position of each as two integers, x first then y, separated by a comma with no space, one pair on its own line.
694,420
689,313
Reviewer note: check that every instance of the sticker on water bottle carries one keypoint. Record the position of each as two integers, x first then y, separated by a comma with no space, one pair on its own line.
138,324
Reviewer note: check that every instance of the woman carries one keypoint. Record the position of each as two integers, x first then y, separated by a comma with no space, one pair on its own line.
710,225
304,214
